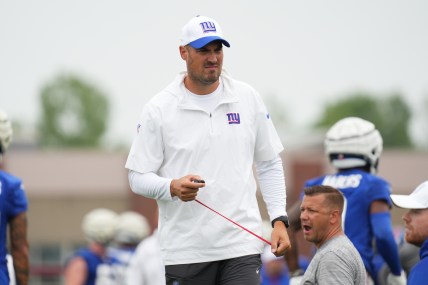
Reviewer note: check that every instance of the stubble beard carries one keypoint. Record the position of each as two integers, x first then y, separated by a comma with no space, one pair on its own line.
204,80
413,239
312,238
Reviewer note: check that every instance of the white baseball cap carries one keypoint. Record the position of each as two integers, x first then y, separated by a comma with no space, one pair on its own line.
200,31
418,199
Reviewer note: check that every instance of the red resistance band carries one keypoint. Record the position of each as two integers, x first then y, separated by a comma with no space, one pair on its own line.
266,241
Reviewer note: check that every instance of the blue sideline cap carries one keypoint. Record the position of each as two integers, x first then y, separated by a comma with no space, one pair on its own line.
200,31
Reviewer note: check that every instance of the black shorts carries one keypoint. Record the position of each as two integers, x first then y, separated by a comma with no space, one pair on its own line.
244,270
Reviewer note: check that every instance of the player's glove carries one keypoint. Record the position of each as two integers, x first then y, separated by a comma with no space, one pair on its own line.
396,279
296,277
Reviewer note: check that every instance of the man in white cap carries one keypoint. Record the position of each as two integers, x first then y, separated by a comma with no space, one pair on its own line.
194,152
416,228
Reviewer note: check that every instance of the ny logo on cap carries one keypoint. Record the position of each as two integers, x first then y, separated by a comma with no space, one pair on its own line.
208,27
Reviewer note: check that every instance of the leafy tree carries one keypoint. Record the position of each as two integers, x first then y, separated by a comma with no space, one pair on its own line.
394,127
74,113
391,115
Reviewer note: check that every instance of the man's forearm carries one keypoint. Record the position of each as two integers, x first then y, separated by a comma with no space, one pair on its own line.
150,185
20,248
271,179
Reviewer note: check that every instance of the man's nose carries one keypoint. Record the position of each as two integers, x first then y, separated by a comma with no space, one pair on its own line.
212,57
406,217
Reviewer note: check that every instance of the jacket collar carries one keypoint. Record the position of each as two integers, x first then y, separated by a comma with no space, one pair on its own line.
178,89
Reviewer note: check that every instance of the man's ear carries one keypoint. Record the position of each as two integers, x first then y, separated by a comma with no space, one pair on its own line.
334,216
183,52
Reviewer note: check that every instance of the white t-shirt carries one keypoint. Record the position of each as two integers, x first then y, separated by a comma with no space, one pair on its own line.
177,137
146,266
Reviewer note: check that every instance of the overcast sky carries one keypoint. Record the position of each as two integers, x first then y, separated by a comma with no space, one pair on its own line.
305,52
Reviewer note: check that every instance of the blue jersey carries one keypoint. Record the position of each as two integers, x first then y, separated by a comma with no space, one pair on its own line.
13,201
119,262
99,267
418,275
282,279
92,262
121,255
360,190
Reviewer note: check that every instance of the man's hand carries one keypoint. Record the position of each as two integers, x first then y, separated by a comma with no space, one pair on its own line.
280,242
185,188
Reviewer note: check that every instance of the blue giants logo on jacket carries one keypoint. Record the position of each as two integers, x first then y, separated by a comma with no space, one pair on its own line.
208,27
233,118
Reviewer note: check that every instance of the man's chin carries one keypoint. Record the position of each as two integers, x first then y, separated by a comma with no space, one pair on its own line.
211,79
410,239
307,237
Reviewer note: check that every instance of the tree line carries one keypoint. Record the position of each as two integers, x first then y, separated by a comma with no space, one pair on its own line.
75,112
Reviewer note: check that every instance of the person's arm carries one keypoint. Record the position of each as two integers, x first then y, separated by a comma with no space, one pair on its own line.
292,256
153,186
271,179
382,229
76,271
150,185
19,247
